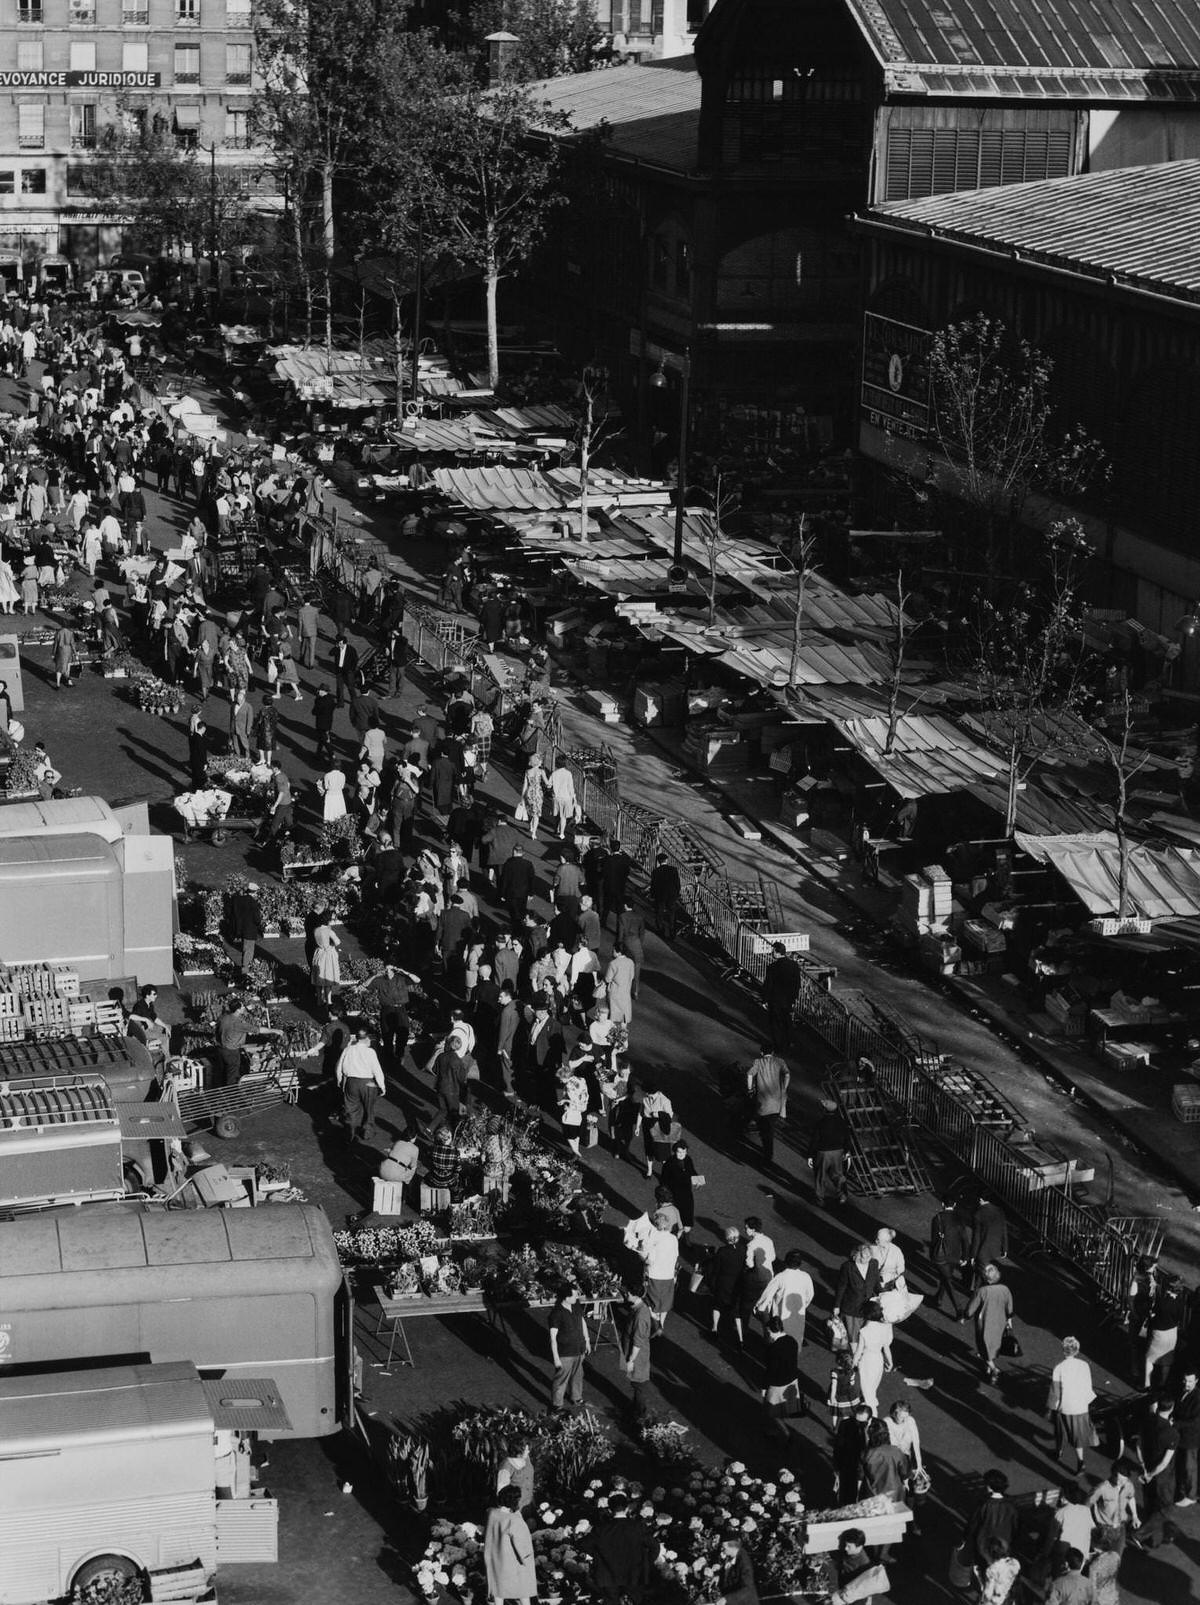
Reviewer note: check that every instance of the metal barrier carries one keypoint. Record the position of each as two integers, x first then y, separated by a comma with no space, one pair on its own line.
1104,1251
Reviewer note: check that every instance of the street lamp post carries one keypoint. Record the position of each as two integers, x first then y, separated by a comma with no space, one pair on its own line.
212,212
677,574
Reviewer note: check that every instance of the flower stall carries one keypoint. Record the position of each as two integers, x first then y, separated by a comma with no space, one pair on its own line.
692,1513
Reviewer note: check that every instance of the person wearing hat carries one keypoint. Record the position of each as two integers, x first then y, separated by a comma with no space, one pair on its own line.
246,923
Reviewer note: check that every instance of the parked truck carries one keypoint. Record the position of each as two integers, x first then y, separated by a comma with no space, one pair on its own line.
130,1471
237,1292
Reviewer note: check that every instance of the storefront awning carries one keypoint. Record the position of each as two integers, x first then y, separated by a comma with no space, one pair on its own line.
1163,883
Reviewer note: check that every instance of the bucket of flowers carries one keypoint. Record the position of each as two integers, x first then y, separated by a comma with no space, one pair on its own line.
20,778
155,696
118,665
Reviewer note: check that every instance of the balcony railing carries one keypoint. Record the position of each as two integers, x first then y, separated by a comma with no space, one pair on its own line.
84,141
29,14
31,141
136,16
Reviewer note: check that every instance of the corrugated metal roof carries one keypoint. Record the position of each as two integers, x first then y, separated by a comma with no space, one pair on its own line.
1163,884
766,659
1064,49
1141,224
650,112
930,755
502,490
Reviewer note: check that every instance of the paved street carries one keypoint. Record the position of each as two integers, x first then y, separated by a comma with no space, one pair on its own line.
688,1026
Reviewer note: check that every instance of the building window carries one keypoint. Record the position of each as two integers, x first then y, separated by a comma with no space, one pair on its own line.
81,12
187,127
29,10
83,55
31,125
237,130
6,180
83,125
29,55
187,13
238,14
135,13
135,56
237,64
33,181
187,64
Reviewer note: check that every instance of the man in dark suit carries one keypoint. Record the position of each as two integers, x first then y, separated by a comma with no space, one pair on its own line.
542,1051
507,1022
989,1240
614,878
345,666
781,987
665,892
516,885
949,1253
593,870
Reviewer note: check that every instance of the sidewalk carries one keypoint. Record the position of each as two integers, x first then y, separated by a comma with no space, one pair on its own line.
1142,1112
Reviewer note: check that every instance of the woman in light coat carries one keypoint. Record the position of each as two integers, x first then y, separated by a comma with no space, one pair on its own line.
508,1549
332,787
787,1296
1071,1395
562,790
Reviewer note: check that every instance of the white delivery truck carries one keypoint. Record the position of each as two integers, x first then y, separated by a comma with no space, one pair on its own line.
130,1471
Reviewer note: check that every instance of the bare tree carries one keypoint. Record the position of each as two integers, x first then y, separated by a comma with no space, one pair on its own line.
1029,666
597,427
1124,762
803,548
725,499
992,419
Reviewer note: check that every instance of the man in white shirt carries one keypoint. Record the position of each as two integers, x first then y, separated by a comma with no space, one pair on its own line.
756,1240
360,1076
111,533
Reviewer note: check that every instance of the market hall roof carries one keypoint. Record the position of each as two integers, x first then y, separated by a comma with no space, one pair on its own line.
1080,50
1138,226
650,112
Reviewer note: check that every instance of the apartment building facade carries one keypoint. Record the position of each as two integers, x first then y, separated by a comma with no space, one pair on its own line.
71,68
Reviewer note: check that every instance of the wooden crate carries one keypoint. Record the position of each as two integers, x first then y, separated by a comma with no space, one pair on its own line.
109,1019
48,1013
1185,1102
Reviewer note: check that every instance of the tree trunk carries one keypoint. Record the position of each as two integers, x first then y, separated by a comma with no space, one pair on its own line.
585,460
1010,806
1122,855
327,246
302,275
492,284
398,357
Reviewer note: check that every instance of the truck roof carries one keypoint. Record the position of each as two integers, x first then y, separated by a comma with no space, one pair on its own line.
116,1402
105,1254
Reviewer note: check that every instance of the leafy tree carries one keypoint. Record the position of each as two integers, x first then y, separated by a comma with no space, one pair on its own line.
555,37
993,421
493,186
179,198
318,66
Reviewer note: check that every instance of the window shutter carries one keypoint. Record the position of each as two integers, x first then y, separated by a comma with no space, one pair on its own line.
899,150
966,162
991,146
945,148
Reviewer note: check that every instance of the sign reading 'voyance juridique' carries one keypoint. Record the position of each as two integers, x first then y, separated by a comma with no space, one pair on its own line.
80,80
